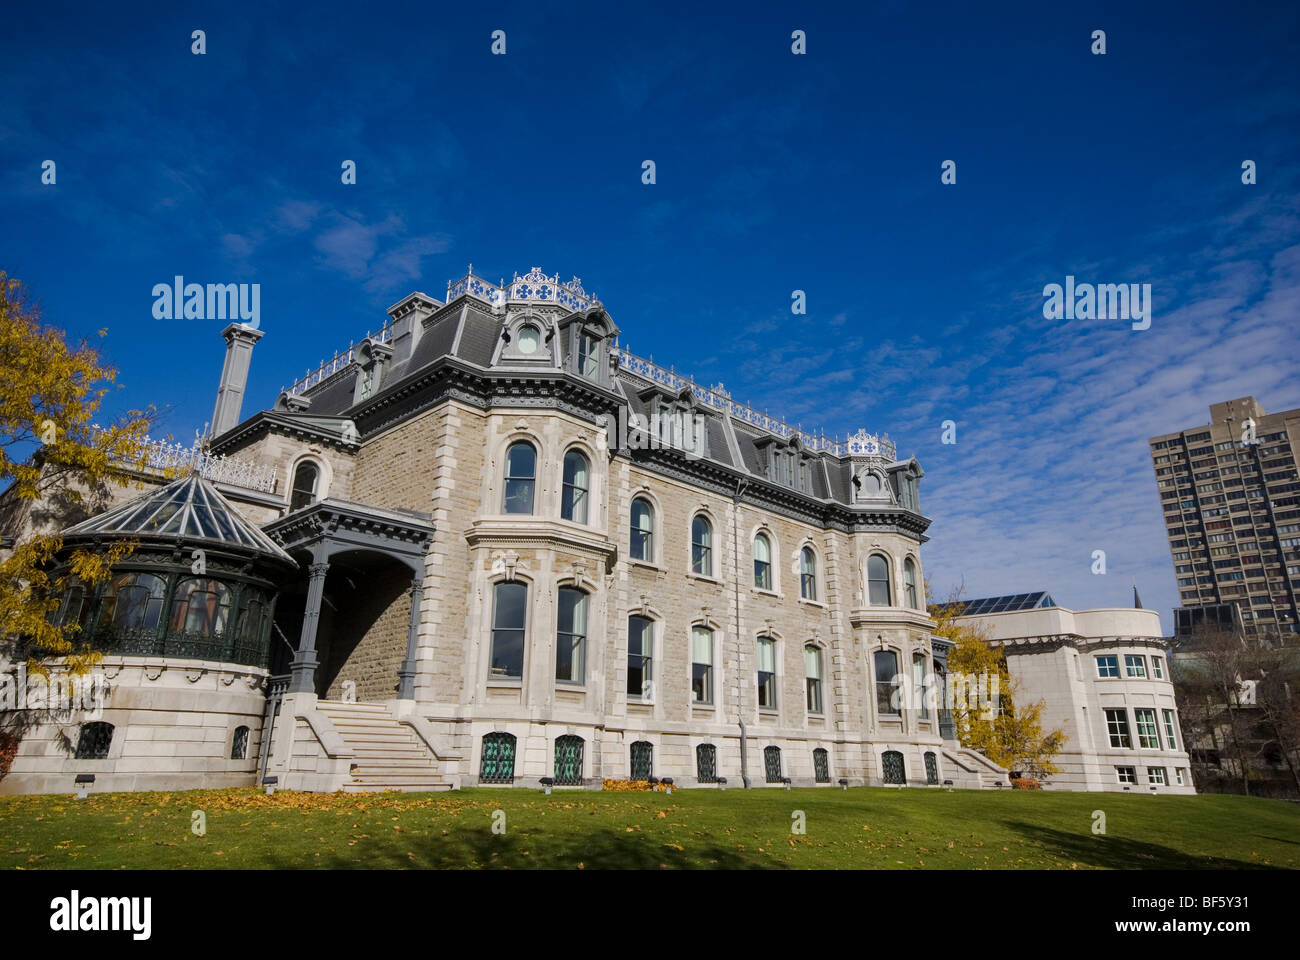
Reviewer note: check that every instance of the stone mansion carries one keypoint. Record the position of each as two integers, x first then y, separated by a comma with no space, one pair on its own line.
486,545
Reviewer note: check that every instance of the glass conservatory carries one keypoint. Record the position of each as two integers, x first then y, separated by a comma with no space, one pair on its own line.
199,585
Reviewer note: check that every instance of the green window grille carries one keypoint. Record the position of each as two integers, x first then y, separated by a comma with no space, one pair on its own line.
498,762
706,763
772,764
892,765
931,767
642,760
821,766
568,760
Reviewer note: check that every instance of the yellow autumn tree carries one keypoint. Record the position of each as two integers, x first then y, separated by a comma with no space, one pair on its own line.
56,462
1007,732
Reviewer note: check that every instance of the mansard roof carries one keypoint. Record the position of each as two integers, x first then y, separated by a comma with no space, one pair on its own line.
188,510
448,349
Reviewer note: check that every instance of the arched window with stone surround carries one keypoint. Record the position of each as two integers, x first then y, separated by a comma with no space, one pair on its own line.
642,758
702,546
913,598
808,574
520,478
892,768
239,744
94,740
706,763
577,482
643,530
306,479
821,766
762,562
879,593
772,764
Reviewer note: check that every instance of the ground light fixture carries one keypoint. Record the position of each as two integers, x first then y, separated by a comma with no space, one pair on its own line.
668,783
722,783
786,781
83,783
270,784
844,784
547,783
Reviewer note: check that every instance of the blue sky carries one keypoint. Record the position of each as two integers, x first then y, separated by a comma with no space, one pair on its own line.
775,172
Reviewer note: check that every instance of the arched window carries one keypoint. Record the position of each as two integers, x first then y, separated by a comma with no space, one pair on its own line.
909,584
808,574
821,765
521,475
577,481
886,663
891,765
252,627
133,603
568,760
571,636
643,530
74,607
642,760
701,665
706,763
812,661
772,764
762,562
702,546
239,744
766,673
530,338
200,608
640,656
878,592
509,607
918,684
305,479
931,767
94,740
497,764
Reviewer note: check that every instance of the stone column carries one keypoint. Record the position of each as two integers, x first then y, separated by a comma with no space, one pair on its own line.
406,674
303,669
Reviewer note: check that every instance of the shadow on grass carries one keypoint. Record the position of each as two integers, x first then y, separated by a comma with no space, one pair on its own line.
1117,853
534,849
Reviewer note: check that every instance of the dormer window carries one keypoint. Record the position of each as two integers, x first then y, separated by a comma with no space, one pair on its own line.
530,338
370,357
787,465
588,356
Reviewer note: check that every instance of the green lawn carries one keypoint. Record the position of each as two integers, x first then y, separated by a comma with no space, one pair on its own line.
860,828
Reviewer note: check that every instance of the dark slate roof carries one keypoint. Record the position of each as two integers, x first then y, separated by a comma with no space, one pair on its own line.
478,340
188,509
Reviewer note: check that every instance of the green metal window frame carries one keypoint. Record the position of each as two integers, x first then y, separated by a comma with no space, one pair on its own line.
931,767
497,761
821,765
893,770
568,760
772,764
642,760
706,763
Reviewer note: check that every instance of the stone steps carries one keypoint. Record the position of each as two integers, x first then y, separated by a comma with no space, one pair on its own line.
386,754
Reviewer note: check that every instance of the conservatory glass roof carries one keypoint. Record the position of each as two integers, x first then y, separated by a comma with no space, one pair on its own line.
187,509
1014,601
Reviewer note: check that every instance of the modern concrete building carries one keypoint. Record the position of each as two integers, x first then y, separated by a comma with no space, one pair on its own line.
1231,498
488,545
1105,678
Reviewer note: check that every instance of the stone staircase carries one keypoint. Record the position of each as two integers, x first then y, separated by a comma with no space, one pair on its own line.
388,754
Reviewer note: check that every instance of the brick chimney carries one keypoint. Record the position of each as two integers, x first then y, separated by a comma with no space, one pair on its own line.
240,339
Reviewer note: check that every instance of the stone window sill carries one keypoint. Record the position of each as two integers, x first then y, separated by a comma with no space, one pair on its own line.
705,579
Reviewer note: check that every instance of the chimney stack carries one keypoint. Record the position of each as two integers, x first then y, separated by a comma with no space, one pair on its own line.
240,338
